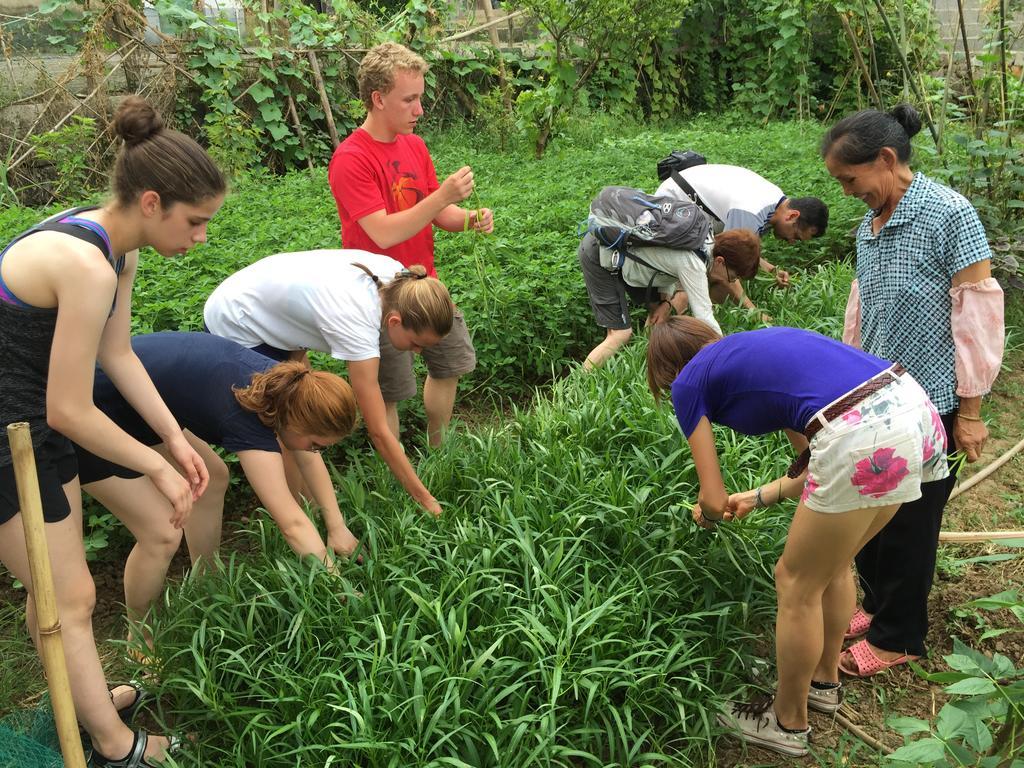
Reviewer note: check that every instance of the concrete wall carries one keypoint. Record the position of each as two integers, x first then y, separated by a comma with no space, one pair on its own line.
974,20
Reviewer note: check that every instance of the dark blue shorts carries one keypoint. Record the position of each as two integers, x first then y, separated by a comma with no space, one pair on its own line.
281,355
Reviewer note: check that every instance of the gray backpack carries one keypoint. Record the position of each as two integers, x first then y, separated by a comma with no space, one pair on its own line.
622,218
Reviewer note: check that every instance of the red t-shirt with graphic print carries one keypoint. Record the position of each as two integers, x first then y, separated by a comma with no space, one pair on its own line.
367,175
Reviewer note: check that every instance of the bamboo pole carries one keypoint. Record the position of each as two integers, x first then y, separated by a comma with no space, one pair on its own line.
975,537
907,73
294,115
481,27
69,115
51,648
967,51
506,93
324,101
860,62
968,537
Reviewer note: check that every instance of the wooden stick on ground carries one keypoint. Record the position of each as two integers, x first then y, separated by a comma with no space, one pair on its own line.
958,537
976,478
50,645
861,734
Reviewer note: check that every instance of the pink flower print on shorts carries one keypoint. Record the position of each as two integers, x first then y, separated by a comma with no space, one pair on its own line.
810,486
880,473
852,417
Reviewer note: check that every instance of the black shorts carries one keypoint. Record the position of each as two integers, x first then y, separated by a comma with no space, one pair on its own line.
92,468
55,466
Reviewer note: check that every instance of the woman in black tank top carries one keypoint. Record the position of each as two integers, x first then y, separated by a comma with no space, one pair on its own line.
65,301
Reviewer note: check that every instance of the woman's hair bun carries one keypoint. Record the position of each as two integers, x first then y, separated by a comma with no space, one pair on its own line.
907,116
136,121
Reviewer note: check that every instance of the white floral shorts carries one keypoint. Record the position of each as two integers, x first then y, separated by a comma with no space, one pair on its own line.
877,453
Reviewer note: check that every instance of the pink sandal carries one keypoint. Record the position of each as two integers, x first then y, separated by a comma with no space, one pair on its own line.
860,622
860,661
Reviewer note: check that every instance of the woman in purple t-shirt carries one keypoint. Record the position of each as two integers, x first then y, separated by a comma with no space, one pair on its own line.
870,436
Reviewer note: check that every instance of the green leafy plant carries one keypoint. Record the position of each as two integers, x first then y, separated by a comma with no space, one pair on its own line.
983,724
579,38
66,150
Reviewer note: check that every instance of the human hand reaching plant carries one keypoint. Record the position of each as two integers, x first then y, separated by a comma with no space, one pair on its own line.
481,220
970,436
781,278
342,542
741,504
709,523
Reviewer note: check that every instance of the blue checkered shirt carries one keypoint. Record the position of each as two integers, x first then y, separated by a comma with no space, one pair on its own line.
904,274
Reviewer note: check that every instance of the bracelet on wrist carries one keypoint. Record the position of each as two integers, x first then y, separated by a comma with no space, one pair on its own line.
759,502
968,418
711,520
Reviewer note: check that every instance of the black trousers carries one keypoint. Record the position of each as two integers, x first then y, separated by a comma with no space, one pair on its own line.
897,566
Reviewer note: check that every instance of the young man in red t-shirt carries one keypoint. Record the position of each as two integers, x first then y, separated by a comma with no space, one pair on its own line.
389,200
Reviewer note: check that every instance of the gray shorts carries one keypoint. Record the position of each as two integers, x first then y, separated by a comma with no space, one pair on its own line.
607,291
453,357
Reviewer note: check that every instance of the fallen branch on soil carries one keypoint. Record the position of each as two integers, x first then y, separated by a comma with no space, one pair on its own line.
956,537
981,475
973,537
861,734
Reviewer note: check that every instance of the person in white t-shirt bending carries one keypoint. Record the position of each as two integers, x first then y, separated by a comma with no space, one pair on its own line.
663,280
360,307
738,198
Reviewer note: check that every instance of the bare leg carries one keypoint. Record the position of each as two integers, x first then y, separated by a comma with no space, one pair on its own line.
146,513
76,597
802,576
839,603
439,402
203,529
613,341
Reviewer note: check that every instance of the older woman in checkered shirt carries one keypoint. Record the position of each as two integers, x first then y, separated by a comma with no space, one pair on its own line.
924,297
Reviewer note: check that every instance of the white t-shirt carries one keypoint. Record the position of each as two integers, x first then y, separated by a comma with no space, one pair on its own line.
674,270
740,198
305,300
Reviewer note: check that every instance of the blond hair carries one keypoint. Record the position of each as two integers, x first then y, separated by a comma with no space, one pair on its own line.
422,302
378,67
292,396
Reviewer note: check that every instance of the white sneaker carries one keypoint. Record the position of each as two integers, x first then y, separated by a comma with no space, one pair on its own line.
755,723
825,700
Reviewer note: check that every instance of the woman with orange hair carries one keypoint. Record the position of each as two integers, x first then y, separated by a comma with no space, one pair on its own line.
246,403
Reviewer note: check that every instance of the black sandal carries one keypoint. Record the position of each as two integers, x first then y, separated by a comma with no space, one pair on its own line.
127,714
136,757
142,698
